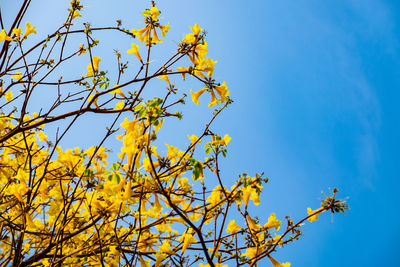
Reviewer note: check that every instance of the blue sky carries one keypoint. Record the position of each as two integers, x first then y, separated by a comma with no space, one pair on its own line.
316,90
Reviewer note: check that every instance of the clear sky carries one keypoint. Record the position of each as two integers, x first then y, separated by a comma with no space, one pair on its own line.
316,89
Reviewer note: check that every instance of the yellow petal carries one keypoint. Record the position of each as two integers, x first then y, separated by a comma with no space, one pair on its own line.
135,50
314,217
214,99
275,263
29,29
4,36
273,222
17,32
183,71
196,95
76,14
232,227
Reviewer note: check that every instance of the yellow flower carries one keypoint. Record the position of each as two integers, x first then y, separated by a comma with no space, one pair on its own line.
226,139
193,138
251,252
42,136
9,96
315,217
164,29
275,263
209,66
93,67
144,263
232,227
187,238
191,38
4,36
196,95
17,32
183,71
196,29
17,76
29,221
164,77
273,222
222,91
153,13
120,105
154,38
75,14
29,29
143,34
128,191
82,49
135,50
218,141
117,91
214,99
250,193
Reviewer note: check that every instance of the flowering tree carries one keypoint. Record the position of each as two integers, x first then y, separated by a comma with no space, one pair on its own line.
147,207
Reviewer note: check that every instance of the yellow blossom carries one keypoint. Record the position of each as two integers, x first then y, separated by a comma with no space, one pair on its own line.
164,29
214,99
29,221
191,38
222,91
226,139
75,14
42,136
17,32
251,252
273,222
117,91
196,95
135,50
9,96
17,76
275,263
153,12
154,38
232,227
143,34
165,77
4,36
250,193
187,238
92,68
183,71
144,263
120,105
314,217
193,138
29,29
82,49
196,29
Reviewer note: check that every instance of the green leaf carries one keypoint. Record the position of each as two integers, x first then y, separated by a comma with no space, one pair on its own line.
223,152
138,108
117,178
192,161
142,113
197,171
115,166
